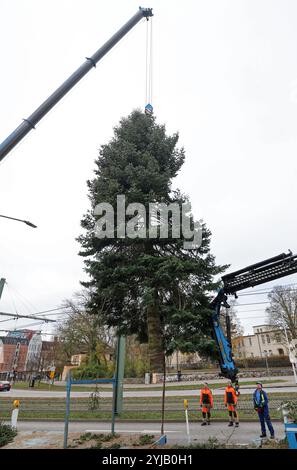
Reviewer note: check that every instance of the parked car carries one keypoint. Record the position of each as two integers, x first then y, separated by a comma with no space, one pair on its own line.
4,385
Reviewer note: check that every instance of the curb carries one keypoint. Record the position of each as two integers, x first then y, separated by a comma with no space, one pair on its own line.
132,420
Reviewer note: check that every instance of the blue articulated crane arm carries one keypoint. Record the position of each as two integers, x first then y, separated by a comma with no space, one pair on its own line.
256,274
224,345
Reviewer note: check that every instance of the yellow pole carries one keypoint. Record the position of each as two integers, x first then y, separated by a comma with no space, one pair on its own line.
15,413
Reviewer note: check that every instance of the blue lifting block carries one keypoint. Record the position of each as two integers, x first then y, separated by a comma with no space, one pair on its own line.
161,441
291,431
148,109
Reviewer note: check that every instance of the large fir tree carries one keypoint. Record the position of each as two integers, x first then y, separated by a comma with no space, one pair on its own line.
149,286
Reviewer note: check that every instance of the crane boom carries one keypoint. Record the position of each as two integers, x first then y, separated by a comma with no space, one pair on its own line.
259,273
270,269
28,124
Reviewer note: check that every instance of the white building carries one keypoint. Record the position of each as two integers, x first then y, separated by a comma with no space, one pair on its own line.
266,340
34,352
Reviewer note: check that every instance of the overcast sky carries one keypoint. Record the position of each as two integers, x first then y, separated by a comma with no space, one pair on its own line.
224,76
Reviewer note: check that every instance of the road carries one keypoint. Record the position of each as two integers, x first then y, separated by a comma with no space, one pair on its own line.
176,432
139,393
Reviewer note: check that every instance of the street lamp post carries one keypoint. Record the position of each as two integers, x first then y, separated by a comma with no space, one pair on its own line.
19,220
267,367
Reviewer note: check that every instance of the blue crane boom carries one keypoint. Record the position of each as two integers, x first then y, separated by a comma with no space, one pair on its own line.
254,275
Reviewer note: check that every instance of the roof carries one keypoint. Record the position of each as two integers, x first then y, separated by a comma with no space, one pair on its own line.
262,324
11,340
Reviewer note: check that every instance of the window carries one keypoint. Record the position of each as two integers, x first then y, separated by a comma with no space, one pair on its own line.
281,352
263,339
268,339
250,340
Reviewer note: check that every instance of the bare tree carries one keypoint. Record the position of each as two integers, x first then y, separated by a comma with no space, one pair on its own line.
282,312
235,326
83,330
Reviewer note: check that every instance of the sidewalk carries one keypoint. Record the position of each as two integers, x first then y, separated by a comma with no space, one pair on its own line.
50,434
288,382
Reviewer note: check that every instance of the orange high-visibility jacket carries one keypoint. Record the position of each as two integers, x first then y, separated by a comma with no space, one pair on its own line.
230,396
206,397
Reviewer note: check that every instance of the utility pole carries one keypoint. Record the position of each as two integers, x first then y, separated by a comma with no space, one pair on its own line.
119,374
267,367
257,335
288,344
2,283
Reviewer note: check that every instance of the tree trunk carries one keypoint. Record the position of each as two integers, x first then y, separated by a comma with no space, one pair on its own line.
155,340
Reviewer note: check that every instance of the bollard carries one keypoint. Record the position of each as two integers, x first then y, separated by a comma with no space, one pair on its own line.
186,406
290,428
15,413
291,432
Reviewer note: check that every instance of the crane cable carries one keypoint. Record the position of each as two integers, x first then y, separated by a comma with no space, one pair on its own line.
149,68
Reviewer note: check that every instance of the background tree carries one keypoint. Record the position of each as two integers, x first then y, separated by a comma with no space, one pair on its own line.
53,354
235,325
84,331
137,360
282,312
151,287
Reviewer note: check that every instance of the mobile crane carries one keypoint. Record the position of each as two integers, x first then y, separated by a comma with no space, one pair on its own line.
28,124
254,275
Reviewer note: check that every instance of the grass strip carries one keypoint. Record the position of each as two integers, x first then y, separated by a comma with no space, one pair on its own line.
85,388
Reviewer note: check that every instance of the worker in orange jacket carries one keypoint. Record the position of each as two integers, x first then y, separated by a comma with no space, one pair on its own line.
206,403
230,400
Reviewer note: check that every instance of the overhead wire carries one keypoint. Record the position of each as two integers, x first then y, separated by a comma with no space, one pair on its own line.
26,302
8,290
251,303
265,290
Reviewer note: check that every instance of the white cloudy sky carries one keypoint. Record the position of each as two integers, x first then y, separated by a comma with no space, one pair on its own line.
225,77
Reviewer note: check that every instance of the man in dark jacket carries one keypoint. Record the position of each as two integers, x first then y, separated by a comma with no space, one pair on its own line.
261,406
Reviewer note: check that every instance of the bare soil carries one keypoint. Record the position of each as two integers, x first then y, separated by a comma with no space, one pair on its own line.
54,440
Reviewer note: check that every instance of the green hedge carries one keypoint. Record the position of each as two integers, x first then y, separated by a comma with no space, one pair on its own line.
92,371
257,362
7,434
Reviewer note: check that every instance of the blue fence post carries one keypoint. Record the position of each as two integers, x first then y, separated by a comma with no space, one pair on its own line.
291,432
68,391
79,382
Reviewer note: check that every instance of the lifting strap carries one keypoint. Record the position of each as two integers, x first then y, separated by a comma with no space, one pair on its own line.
149,68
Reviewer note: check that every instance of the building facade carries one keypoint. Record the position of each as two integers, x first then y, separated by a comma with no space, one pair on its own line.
13,353
23,351
266,340
34,353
